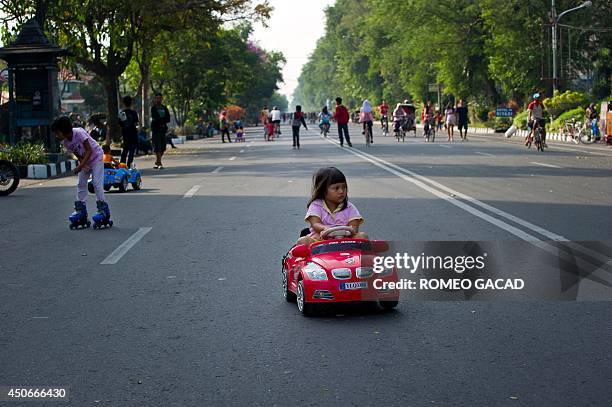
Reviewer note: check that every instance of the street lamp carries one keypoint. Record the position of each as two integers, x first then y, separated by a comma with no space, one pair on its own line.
555,20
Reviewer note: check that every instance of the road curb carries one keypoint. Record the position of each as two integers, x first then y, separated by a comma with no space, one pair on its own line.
43,171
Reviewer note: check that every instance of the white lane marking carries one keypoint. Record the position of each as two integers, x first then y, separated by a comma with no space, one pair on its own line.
485,154
241,151
217,170
456,194
120,251
40,317
442,145
545,165
192,191
233,158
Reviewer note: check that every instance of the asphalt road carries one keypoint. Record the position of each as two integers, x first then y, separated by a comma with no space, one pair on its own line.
192,314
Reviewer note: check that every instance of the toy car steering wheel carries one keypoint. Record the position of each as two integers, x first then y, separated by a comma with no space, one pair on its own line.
337,232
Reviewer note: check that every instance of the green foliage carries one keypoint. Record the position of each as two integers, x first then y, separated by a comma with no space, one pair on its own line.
577,114
25,153
520,120
562,102
186,130
502,123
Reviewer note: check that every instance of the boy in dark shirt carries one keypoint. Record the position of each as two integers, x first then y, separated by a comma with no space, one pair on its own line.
160,117
462,119
128,120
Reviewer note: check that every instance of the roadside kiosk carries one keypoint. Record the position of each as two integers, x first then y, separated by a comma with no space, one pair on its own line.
33,86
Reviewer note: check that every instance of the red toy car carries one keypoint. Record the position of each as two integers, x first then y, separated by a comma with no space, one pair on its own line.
337,270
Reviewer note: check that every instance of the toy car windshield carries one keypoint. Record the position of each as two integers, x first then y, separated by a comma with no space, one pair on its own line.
342,246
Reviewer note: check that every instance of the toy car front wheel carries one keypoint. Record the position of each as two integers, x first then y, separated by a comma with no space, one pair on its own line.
136,184
107,188
90,188
387,305
123,186
306,308
288,294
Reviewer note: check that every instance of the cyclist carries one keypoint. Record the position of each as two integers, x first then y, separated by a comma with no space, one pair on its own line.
536,114
384,114
367,118
324,121
399,118
428,117
275,116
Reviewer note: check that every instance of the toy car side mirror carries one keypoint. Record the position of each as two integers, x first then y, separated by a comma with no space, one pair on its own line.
300,250
379,246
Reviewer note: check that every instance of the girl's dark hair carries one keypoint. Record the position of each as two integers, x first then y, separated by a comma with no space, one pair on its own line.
298,108
62,125
322,179
127,101
324,110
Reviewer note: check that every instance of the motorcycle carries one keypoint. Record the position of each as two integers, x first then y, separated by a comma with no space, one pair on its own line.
9,176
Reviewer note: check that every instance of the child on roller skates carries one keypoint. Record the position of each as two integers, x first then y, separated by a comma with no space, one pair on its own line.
91,163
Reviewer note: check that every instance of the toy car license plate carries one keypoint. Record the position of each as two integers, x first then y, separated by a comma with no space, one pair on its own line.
354,286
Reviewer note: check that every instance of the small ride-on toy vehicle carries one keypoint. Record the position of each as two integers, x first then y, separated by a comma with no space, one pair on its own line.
118,177
337,269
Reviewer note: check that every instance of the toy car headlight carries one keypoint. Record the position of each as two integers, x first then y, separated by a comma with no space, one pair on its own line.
385,271
315,272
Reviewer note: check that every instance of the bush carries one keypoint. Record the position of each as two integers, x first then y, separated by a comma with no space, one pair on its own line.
576,114
186,130
520,121
562,102
24,153
502,123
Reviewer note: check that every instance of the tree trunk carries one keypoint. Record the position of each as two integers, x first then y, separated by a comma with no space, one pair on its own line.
112,124
146,103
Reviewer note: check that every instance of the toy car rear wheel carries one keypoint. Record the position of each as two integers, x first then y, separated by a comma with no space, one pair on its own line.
123,185
136,184
307,309
107,188
288,294
387,305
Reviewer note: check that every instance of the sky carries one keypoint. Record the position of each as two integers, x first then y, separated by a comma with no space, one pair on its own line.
293,29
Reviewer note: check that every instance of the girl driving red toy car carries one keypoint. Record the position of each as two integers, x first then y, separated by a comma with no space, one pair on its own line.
329,206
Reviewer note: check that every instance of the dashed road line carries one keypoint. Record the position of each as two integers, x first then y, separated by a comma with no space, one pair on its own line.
485,154
241,151
545,165
217,170
233,158
442,145
192,191
120,251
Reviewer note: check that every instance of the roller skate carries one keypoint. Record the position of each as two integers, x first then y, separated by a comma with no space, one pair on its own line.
102,218
78,219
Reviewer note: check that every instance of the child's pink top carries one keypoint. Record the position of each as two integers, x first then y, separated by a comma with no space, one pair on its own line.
328,218
77,147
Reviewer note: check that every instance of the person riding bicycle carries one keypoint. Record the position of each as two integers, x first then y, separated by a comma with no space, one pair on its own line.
428,117
324,121
275,117
367,118
536,115
384,114
399,118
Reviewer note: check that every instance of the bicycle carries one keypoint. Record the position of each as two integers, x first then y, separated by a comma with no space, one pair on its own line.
400,131
430,130
9,176
537,138
384,121
368,135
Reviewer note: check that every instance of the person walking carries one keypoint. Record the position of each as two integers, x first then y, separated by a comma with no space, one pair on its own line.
342,117
296,122
450,121
160,117
128,120
224,127
462,119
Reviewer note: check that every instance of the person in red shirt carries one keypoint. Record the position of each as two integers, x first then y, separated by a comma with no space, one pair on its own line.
384,114
341,115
